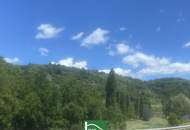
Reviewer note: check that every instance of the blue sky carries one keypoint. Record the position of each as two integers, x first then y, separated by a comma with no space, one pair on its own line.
146,39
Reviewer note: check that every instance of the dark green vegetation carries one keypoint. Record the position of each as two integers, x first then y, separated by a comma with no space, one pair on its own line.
49,97
175,97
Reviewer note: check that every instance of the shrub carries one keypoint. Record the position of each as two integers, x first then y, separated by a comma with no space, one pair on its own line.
173,119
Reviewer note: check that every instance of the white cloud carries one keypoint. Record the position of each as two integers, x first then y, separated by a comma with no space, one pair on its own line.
98,36
187,45
123,72
12,60
171,68
104,70
123,48
70,62
77,36
47,31
119,71
152,65
146,65
43,51
122,28
140,58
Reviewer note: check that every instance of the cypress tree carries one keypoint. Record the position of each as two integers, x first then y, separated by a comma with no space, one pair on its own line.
111,89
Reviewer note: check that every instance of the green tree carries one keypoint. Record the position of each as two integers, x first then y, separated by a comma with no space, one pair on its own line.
111,89
144,107
173,119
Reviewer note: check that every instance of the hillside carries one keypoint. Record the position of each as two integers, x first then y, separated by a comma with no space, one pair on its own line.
51,96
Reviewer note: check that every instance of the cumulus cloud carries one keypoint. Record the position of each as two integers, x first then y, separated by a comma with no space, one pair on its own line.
77,36
123,48
14,60
123,72
140,58
171,68
98,36
186,45
47,31
144,64
43,51
152,65
70,62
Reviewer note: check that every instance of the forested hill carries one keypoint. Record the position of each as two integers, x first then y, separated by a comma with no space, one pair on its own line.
42,97
168,87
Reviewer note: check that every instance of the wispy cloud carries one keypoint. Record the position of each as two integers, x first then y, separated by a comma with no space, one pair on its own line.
186,45
122,28
181,17
98,36
14,60
78,36
70,62
47,31
43,51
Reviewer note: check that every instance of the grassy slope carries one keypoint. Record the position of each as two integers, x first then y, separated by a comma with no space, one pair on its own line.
155,122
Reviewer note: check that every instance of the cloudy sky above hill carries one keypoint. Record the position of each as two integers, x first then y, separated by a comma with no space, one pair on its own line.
144,39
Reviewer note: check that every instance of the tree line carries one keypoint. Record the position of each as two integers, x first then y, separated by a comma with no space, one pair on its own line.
52,97
42,97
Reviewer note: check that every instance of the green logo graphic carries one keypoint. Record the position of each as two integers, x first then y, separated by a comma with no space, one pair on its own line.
95,125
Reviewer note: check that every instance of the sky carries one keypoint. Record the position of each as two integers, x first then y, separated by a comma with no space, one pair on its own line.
144,39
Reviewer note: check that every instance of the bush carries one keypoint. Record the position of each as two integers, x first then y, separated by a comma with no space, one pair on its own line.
173,119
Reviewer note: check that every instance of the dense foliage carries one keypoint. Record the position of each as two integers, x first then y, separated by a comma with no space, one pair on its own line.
42,97
49,97
175,96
